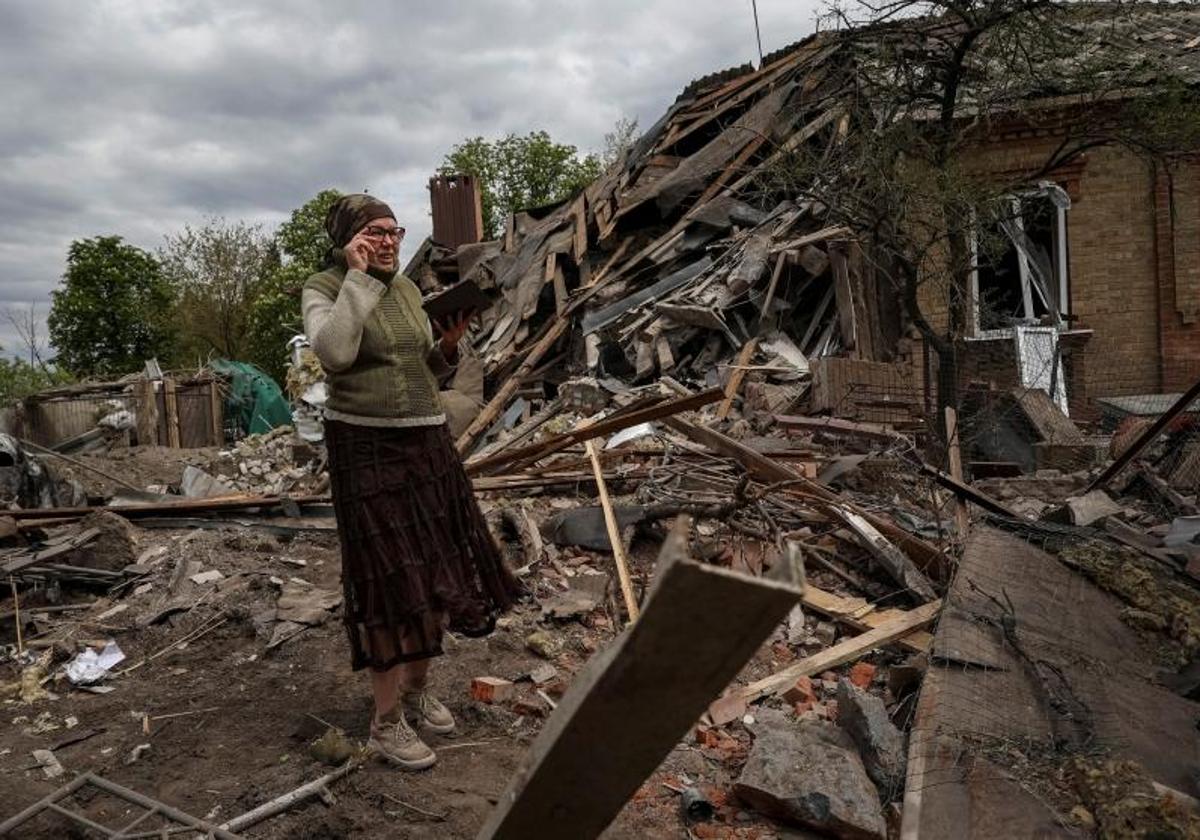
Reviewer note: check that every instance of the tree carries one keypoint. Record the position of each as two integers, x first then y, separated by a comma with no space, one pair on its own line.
274,316
922,87
218,271
20,379
519,172
27,326
619,141
113,310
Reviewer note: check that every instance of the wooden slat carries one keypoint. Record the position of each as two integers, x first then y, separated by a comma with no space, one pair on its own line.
217,410
172,406
614,534
862,616
736,376
147,413
962,517
631,703
498,402
780,261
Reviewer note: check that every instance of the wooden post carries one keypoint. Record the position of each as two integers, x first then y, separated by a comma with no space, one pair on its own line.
961,517
147,414
614,534
172,406
218,412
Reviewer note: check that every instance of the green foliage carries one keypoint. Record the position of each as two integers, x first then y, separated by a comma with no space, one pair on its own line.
519,172
113,310
19,379
619,141
218,271
274,315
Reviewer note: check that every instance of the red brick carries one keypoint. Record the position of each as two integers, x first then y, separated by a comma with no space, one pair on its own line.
801,692
707,737
862,674
491,689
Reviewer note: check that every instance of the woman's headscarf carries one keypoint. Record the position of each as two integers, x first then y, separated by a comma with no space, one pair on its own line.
346,217
351,213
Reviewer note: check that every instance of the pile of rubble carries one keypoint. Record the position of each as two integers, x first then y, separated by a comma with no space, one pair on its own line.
270,464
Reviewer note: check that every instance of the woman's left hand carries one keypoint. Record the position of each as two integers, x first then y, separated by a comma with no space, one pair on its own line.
451,330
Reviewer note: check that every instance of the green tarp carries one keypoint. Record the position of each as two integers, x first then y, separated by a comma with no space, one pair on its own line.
254,398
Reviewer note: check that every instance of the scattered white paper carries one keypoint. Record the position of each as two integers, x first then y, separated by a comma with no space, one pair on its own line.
91,667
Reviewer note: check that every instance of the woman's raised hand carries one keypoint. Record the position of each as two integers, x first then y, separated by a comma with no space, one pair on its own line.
359,252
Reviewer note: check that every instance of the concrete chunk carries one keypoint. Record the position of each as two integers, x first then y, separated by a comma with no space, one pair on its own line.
809,774
880,744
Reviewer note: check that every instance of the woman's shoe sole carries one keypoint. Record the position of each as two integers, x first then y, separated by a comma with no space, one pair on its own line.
435,729
419,764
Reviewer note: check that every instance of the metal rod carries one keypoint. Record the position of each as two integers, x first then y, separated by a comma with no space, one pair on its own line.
173,813
17,615
757,31
37,807
79,818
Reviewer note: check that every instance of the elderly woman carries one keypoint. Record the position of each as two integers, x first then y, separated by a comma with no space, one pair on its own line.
416,552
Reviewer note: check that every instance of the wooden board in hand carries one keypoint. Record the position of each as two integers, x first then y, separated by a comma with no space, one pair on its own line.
464,297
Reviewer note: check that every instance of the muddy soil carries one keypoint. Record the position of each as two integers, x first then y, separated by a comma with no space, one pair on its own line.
235,720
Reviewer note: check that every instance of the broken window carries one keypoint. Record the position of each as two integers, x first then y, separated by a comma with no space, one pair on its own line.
1020,276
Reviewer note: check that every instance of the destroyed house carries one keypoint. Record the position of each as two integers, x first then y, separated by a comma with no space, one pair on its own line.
693,250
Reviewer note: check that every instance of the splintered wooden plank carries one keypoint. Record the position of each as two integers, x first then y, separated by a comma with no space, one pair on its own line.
588,431
894,561
860,615
844,651
632,703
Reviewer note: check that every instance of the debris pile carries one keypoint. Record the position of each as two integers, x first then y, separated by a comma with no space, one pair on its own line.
271,464
769,584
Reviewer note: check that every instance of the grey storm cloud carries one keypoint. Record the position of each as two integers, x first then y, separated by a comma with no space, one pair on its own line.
136,117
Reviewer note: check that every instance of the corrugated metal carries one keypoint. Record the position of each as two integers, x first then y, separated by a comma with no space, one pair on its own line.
457,210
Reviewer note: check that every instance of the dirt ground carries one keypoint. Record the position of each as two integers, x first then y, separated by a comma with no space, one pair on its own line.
229,723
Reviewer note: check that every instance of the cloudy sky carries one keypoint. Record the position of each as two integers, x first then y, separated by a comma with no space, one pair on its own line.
135,117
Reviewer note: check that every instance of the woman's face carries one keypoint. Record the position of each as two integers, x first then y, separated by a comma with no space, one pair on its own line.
384,236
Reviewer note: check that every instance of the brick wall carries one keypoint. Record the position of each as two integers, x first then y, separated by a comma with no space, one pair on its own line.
1114,239
1177,223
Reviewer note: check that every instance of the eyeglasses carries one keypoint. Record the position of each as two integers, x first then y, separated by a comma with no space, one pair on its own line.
377,232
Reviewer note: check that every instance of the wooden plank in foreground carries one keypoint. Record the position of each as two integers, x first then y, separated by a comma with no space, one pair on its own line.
632,703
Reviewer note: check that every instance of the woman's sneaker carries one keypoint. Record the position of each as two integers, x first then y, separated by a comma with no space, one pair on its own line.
396,742
429,711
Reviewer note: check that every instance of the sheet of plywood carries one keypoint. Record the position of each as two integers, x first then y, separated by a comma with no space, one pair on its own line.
1091,689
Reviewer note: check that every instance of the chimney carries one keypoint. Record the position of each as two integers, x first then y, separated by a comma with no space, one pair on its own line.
457,210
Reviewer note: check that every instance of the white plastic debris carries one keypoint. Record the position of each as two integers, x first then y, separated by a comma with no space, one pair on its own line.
633,433
91,667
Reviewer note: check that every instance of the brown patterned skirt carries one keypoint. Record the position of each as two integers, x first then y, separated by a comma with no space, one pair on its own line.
416,551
